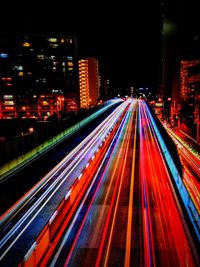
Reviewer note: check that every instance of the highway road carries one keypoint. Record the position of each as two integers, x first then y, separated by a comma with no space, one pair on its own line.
109,202
131,216
26,219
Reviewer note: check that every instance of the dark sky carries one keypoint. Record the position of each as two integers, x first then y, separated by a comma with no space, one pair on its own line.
124,35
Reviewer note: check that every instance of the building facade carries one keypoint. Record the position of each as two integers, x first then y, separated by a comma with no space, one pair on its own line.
190,95
89,82
38,75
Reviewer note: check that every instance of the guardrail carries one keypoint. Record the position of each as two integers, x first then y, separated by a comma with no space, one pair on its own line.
184,194
25,159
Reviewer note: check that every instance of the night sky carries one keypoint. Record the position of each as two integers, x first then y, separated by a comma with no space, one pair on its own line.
124,35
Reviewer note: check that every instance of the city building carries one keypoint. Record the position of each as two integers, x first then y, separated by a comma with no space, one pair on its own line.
38,75
89,82
104,85
190,95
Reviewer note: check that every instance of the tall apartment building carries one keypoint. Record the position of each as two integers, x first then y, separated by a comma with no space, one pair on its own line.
38,75
89,82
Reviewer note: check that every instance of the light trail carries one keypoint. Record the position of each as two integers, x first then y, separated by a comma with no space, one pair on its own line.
88,210
159,197
98,135
122,173
130,207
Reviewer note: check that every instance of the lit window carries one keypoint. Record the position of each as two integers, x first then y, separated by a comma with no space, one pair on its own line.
52,57
26,44
54,45
70,64
40,56
4,55
6,78
9,103
9,108
8,96
18,67
52,40
69,58
21,74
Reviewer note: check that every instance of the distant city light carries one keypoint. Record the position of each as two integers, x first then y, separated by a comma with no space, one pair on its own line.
4,55
31,130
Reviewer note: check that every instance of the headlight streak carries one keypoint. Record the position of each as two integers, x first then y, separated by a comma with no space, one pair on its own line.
117,190
148,240
101,128
96,190
48,177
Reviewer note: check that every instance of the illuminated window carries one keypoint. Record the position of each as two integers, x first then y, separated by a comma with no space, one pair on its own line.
62,40
9,103
26,44
70,64
4,55
6,78
54,45
8,96
9,108
52,40
21,74
52,57
70,69
40,56
18,67
69,58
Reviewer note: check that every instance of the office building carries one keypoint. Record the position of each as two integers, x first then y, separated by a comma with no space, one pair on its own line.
38,75
190,95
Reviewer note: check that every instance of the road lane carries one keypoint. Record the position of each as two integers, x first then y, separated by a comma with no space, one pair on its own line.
162,217
32,216
96,242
